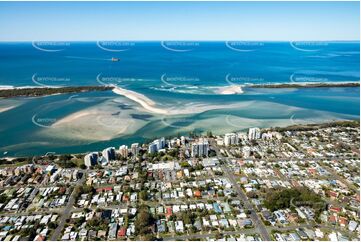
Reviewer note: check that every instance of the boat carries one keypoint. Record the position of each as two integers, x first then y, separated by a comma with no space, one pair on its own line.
115,59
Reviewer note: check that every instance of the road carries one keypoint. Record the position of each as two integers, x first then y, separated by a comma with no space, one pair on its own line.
67,210
265,231
254,216
209,235
311,226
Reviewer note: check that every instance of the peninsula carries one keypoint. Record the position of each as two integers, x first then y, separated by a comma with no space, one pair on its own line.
44,91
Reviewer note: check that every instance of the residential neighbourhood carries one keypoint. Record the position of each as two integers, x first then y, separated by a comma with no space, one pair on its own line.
285,184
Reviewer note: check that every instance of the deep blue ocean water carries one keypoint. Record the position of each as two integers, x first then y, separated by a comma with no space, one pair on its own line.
203,63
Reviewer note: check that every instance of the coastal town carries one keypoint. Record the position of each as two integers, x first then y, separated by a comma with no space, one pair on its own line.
286,184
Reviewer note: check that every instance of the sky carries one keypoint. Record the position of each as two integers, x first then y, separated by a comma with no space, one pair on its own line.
81,21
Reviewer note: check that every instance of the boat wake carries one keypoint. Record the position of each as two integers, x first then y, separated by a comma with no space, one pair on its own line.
90,58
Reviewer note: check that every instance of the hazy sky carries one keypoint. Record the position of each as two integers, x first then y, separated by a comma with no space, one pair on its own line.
31,21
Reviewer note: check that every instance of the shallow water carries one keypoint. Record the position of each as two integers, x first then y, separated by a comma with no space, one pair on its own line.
177,80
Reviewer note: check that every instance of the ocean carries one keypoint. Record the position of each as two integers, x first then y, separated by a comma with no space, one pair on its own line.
183,76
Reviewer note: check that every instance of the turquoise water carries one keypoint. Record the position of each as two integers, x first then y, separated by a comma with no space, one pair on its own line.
173,75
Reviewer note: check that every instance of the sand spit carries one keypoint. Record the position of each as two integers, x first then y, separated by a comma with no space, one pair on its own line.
6,108
101,122
144,101
188,108
230,90
8,104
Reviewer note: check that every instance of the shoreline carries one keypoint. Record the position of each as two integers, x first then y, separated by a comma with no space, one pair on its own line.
7,108
141,99
297,127
47,91
305,85
37,91
230,90
150,106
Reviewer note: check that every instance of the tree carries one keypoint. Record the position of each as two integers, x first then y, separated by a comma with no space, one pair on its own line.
126,221
143,220
143,195
188,218
3,198
288,198
218,235
65,157
184,164
148,237
212,153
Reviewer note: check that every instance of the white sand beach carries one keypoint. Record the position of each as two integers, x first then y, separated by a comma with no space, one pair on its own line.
230,90
104,121
75,116
144,101
188,108
6,87
7,104
3,109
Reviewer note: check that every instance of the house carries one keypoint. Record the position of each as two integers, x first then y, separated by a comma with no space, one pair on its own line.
198,225
9,237
73,235
233,222
295,237
333,195
302,233
168,211
334,209
244,223
179,226
217,208
197,194
280,217
342,221
83,233
213,217
102,234
266,215
352,225
160,210
161,228
92,234
176,208
310,233
106,214
214,223
170,225
332,219
333,236
184,207
121,232
205,222
66,236
226,208
200,206
112,234
224,223
319,233
292,217
134,197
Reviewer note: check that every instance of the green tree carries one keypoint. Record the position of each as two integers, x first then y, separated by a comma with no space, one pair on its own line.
143,195
143,221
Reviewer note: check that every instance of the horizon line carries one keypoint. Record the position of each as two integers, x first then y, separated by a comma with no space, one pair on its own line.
31,41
